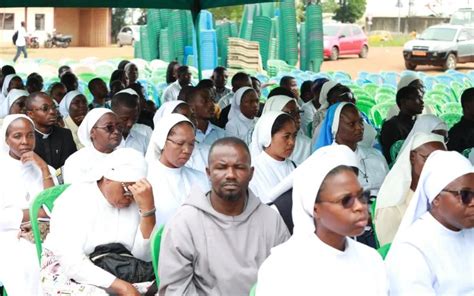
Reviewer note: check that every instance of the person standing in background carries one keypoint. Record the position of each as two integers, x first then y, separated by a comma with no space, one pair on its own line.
20,42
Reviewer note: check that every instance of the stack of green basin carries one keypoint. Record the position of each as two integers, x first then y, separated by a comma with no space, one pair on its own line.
166,51
262,32
153,29
303,47
223,31
314,38
288,41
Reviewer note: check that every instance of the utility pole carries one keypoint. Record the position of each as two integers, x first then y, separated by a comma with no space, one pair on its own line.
399,5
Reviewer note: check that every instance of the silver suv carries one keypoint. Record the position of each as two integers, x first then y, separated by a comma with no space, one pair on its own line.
441,45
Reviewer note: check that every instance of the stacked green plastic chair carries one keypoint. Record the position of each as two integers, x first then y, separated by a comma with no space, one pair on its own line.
435,105
267,9
450,118
314,38
223,32
177,35
145,41
440,96
457,89
261,32
303,47
166,51
288,34
153,28
386,90
384,97
371,88
379,112
383,250
155,246
452,107
365,106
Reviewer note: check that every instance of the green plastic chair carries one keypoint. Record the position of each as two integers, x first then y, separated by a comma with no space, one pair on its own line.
384,97
379,112
452,107
86,77
155,250
371,88
45,198
457,89
365,106
450,118
440,96
466,152
395,150
253,290
383,250
386,90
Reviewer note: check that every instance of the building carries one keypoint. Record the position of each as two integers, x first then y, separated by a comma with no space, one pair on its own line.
90,27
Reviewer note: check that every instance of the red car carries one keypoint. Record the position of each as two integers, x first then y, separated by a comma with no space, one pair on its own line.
344,39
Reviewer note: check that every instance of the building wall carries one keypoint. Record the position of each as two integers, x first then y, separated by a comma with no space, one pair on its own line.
96,25
407,24
67,22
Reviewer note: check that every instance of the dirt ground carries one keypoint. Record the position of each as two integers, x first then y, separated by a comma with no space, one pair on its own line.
379,59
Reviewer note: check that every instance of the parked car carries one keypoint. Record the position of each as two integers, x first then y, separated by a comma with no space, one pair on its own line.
440,45
344,39
128,35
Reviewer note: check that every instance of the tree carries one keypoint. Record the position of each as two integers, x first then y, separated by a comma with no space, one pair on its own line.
231,13
118,21
329,6
350,11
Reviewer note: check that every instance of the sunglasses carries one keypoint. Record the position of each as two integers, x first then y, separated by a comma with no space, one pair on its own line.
465,194
110,128
46,108
349,200
126,192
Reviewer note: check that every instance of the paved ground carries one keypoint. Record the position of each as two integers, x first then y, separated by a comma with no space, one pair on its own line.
379,59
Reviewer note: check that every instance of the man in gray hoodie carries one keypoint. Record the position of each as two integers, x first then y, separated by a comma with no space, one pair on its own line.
216,241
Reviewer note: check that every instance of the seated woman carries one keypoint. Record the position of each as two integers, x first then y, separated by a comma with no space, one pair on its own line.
10,82
101,133
73,109
243,110
273,141
344,125
15,103
117,207
432,253
172,144
24,176
329,206
288,105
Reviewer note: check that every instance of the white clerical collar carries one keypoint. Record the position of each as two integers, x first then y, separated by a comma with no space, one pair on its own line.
44,136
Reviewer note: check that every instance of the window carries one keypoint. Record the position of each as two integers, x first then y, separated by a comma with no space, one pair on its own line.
7,21
39,22
346,31
356,30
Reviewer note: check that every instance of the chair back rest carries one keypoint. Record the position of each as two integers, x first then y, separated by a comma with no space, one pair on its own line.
155,246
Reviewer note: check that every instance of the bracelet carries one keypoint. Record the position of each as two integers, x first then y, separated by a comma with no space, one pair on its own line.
48,177
147,213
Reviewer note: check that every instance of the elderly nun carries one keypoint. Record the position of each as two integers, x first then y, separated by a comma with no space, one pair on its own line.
432,253
73,109
101,133
329,206
273,141
171,146
115,206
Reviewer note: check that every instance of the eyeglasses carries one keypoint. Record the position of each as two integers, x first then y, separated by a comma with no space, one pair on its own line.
46,108
349,200
126,192
110,128
296,113
465,194
181,144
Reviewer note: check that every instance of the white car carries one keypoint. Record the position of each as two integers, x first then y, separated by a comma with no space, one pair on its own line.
128,35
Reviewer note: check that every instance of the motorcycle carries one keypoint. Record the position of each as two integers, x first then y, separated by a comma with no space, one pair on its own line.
58,40
33,42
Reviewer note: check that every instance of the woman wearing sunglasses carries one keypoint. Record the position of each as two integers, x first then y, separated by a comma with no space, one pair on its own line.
171,146
432,253
329,207
101,133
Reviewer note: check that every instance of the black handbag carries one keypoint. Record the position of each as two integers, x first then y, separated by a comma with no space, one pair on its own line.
119,261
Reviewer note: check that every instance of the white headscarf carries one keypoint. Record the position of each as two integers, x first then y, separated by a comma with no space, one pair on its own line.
398,180
166,109
262,134
84,130
6,123
308,178
129,91
124,165
236,100
406,80
426,123
66,102
323,95
441,168
160,133
6,84
276,103
13,95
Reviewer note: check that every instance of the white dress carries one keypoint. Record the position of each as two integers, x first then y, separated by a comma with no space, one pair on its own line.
240,127
302,148
372,168
81,164
171,187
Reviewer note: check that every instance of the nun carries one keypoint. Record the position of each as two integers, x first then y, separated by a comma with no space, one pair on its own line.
14,103
10,82
100,133
242,114
432,253
73,109
273,141
344,125
289,105
400,183
329,206
171,146
25,176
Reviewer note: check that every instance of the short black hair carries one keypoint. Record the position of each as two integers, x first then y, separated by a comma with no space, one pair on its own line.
32,98
239,78
405,93
229,141
193,93
337,90
281,91
124,99
7,70
169,72
467,96
183,70
220,70
122,64
285,80
255,79
137,87
68,79
280,121
116,84
306,86
54,85
63,69
93,82
184,92
117,75
205,83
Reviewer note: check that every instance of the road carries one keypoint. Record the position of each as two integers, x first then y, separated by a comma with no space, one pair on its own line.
379,59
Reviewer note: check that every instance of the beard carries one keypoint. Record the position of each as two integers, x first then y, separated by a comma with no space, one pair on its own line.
226,195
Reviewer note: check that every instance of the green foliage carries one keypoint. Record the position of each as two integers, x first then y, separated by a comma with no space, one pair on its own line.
300,10
329,6
118,21
142,19
350,11
231,13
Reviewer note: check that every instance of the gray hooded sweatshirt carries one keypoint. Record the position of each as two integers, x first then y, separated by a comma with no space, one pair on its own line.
204,252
